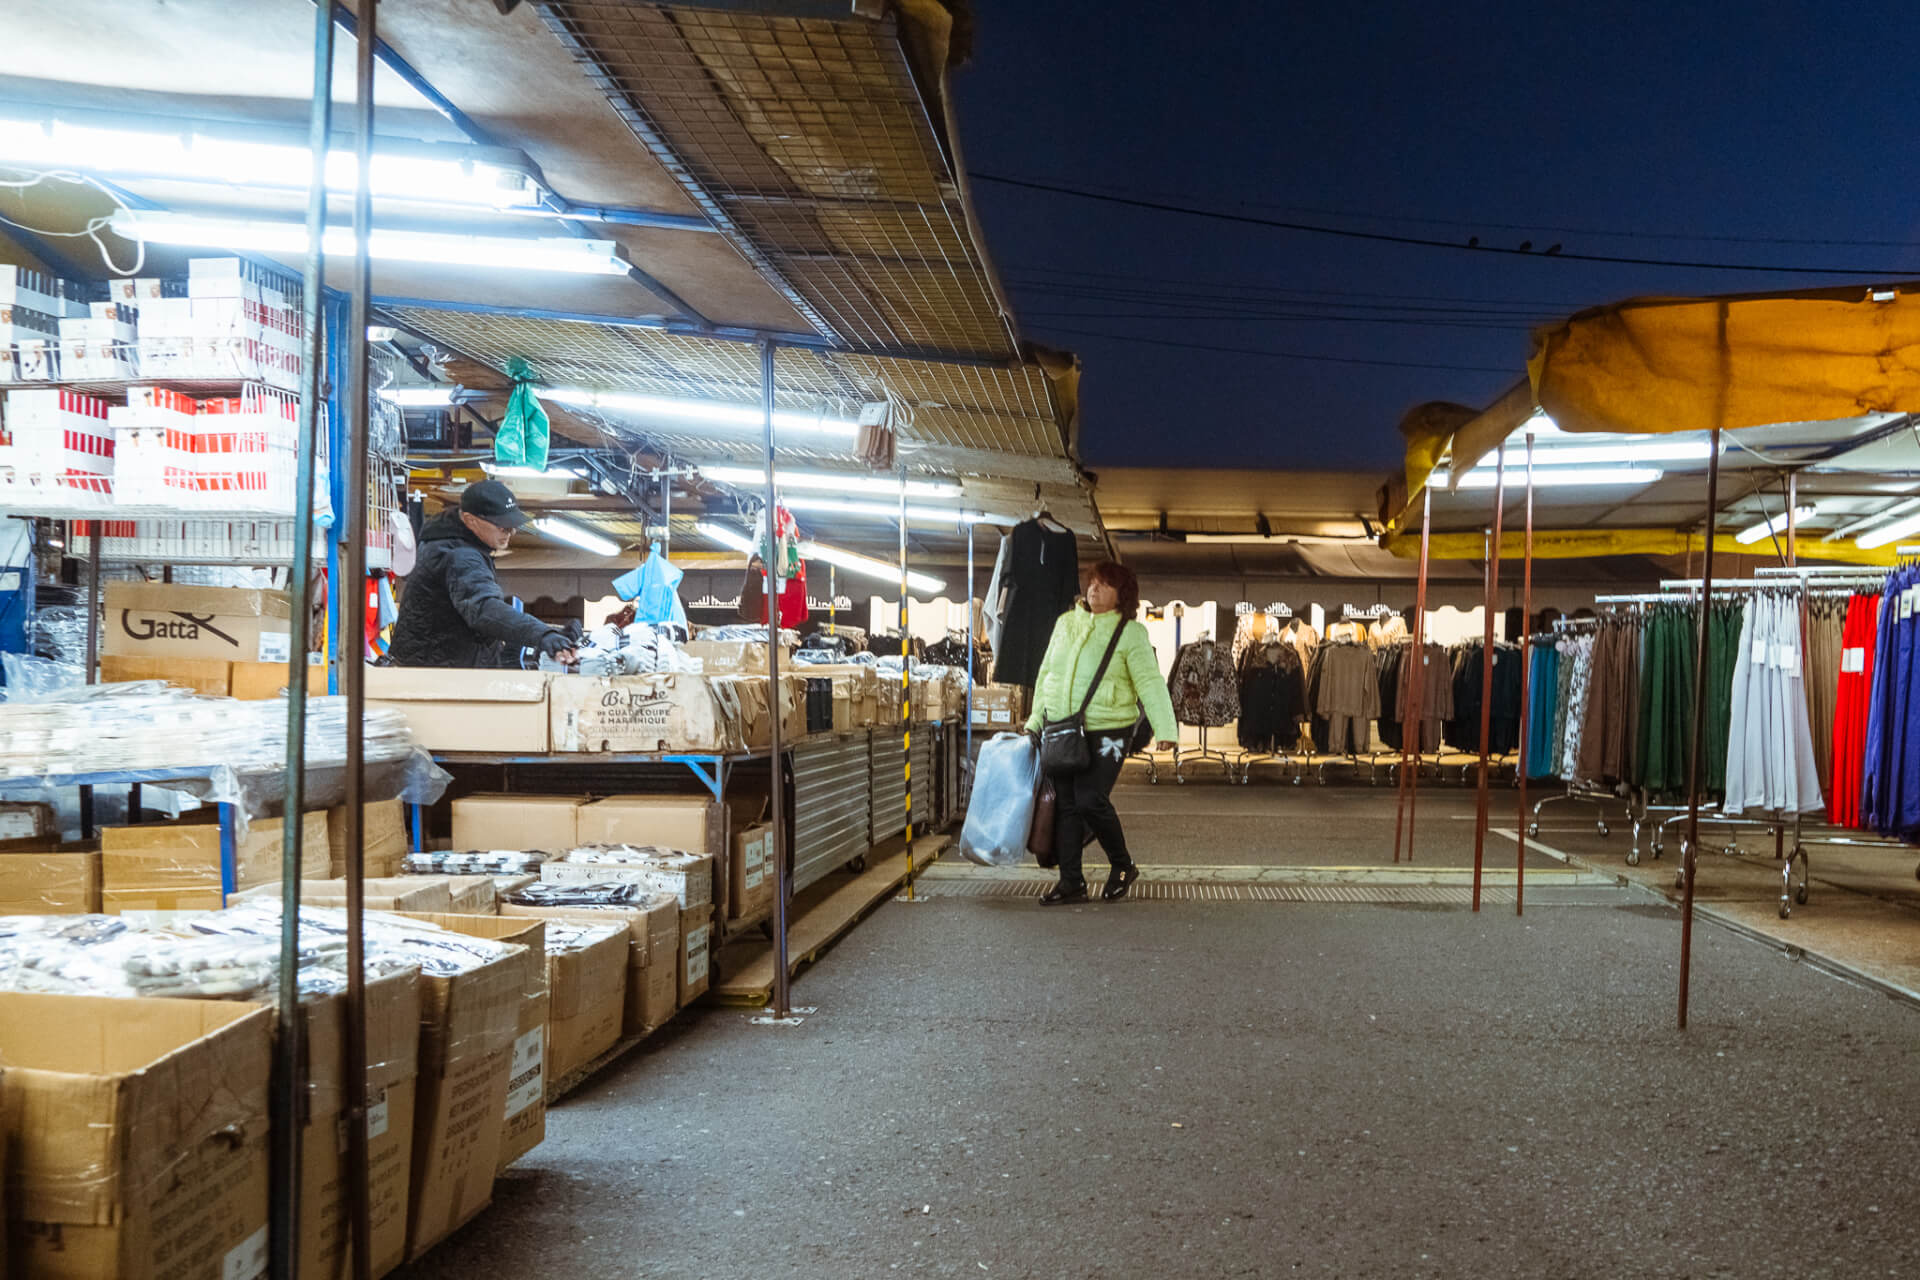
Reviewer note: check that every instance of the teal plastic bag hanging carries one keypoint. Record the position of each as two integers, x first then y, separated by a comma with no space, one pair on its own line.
524,433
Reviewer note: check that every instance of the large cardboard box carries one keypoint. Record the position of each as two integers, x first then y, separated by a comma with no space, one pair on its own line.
393,1063
999,706
49,883
676,712
687,876
265,681
488,822
170,620
750,693
461,710
526,1112
691,824
215,677
158,858
696,940
120,902
137,1137
653,955
468,1023
734,657
385,893
752,871
384,838
588,985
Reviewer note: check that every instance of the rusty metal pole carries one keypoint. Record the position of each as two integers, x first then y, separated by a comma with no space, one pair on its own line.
1418,692
1526,695
1691,858
1486,672
782,878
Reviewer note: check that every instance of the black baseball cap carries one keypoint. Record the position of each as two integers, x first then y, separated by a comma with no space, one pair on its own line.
494,502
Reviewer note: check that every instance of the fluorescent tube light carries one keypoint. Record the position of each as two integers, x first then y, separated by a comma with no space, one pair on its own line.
1886,533
724,536
884,510
719,413
579,535
1767,528
1591,455
504,472
506,253
1567,477
872,568
433,173
835,481
417,397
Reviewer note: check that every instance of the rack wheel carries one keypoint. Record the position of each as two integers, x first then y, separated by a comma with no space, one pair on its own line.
1633,857
1533,830
1800,895
1180,778
857,865
1604,829
1323,779
1372,781
1786,912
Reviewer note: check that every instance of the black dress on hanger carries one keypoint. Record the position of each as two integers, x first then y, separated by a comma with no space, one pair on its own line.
1042,580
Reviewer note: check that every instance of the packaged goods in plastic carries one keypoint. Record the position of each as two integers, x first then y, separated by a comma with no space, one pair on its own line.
687,876
477,862
1001,810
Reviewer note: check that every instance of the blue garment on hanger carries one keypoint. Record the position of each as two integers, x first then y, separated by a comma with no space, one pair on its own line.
1873,780
1541,705
654,589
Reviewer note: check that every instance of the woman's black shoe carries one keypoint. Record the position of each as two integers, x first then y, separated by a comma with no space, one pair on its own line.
1064,894
1119,880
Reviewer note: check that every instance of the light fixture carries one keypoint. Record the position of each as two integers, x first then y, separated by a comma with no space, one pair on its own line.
502,471
836,481
724,536
872,568
1867,522
1886,533
1568,477
381,333
417,397
505,253
891,511
719,413
438,173
1651,451
1767,528
579,535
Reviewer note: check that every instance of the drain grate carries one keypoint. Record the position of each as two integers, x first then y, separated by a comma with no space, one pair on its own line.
1190,891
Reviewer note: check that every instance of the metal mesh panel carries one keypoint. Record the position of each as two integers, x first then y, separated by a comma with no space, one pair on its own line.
809,144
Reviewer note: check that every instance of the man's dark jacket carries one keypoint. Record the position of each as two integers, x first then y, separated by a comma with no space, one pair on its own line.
453,613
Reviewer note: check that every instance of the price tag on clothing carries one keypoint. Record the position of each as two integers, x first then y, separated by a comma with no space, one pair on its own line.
1760,653
1853,661
1786,657
1906,604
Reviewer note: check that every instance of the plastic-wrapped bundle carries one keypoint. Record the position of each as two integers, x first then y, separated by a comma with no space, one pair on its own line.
563,936
1001,809
107,956
59,632
754,633
476,863
576,895
639,648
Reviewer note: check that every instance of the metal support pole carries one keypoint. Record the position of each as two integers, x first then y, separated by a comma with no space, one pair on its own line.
906,678
1690,860
833,602
666,512
1486,672
98,535
289,1114
351,592
1526,696
1793,523
1418,692
969,725
782,878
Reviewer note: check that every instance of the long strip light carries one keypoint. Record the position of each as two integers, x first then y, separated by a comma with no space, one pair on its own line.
832,555
417,397
1767,528
192,155
835,481
1891,532
507,253
891,511
1564,477
579,535
717,413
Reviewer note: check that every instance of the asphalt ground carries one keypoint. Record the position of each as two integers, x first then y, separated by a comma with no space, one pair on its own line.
1173,1089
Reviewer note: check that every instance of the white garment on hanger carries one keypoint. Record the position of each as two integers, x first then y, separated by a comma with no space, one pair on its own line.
993,610
1770,761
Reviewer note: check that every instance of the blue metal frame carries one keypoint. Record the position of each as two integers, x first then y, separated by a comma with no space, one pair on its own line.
417,821
335,312
136,777
228,856
712,770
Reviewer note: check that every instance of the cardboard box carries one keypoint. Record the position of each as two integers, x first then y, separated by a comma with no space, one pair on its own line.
411,894
588,986
49,883
25,820
473,895
752,871
169,620
652,713
461,710
653,955
468,1023
687,876
516,822
393,1063
999,706
526,1112
120,902
137,1137
734,657
384,839
696,939
265,681
750,694
691,824
211,676
184,857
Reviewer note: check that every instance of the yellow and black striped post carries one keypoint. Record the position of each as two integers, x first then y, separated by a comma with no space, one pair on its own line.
906,681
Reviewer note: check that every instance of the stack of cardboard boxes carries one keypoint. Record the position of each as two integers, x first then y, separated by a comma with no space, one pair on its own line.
222,641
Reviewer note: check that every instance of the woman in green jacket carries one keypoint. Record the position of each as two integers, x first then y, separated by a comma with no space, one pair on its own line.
1132,682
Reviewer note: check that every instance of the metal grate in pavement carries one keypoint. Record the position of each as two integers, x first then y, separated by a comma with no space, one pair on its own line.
1189,891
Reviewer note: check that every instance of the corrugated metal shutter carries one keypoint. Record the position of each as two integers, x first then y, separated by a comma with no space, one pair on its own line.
831,802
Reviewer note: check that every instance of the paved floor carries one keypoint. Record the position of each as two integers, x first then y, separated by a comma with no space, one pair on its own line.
1174,1089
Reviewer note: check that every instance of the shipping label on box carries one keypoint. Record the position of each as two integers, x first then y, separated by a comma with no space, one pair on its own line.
696,936
642,714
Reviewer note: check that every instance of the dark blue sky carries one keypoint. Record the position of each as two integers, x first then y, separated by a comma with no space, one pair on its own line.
1510,121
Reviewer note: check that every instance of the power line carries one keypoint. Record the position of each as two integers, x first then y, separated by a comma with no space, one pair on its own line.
1381,237
1509,370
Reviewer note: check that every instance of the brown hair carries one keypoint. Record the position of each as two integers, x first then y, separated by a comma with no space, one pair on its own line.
1121,579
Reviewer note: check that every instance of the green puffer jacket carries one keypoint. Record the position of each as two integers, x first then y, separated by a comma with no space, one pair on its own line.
1133,677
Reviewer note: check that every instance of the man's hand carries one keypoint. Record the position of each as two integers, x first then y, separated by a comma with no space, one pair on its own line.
557,646
1165,744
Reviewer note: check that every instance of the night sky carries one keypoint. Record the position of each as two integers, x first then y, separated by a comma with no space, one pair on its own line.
1723,133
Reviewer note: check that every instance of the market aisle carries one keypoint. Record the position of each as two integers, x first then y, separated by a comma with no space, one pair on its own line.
1185,1089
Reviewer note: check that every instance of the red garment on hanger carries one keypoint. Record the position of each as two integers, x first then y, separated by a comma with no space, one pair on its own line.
1857,637
793,600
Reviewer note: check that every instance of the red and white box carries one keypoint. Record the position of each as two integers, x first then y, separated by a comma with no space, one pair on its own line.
59,446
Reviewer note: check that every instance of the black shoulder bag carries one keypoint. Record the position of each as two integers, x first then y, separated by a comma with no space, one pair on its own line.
1063,743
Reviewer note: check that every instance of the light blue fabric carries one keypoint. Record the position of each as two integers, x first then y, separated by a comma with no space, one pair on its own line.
654,589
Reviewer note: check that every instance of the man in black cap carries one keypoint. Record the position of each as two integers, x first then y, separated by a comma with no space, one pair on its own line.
453,613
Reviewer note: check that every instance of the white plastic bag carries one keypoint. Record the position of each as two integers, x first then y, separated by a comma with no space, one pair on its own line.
1001,809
